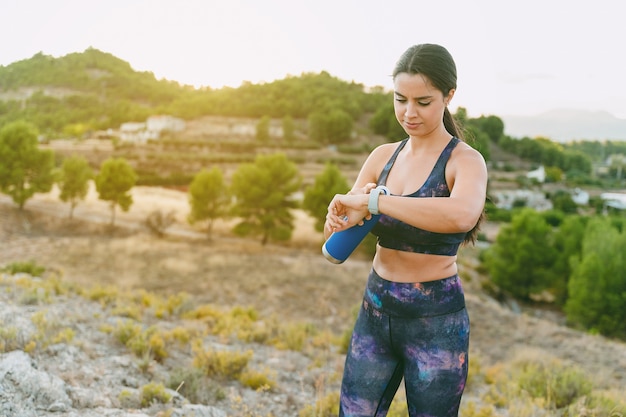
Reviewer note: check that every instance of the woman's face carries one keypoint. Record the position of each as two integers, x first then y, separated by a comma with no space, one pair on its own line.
418,105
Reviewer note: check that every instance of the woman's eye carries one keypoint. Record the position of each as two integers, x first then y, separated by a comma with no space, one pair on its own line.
424,103
400,100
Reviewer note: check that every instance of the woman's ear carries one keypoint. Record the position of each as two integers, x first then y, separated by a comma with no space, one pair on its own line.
448,98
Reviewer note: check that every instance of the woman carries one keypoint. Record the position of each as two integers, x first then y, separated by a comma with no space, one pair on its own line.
413,322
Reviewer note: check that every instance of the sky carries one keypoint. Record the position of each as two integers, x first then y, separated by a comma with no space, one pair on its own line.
513,57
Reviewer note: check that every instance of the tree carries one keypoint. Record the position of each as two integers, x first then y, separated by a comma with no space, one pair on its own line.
263,193
568,243
113,183
24,168
289,129
521,258
263,129
562,200
74,181
493,126
618,162
331,127
317,197
208,197
597,289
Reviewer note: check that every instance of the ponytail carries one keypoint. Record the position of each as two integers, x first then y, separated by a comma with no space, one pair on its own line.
451,125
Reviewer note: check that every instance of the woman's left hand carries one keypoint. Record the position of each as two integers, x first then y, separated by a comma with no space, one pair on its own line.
346,210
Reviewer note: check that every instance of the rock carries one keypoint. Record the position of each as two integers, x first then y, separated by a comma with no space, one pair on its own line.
22,383
195,410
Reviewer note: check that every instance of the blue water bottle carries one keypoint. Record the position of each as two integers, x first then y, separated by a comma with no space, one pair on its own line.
340,245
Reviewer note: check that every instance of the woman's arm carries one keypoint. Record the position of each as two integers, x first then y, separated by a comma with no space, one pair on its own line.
365,182
467,175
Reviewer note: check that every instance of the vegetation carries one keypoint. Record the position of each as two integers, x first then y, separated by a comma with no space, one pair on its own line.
113,182
101,91
316,197
520,260
209,198
74,181
24,168
596,288
577,263
263,129
528,384
263,193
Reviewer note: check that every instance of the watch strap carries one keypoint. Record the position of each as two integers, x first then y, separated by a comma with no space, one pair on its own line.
372,203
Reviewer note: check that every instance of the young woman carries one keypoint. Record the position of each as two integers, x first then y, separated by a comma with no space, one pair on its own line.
413,323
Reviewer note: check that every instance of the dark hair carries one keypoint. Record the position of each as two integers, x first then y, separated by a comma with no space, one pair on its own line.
436,64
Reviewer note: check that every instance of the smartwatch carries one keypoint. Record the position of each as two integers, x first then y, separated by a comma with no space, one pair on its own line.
372,203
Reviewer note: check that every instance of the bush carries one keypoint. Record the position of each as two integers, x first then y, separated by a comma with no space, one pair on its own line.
196,387
157,222
28,267
327,406
257,380
560,386
221,364
154,392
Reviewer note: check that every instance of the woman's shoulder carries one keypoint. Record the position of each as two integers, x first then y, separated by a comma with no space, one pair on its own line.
387,148
465,149
465,153
378,157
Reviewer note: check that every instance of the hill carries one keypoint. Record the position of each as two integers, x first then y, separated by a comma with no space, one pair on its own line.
567,125
94,90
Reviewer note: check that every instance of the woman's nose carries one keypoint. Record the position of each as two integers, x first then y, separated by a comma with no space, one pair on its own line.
411,110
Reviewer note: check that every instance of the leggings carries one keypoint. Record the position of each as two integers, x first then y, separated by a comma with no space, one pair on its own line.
415,331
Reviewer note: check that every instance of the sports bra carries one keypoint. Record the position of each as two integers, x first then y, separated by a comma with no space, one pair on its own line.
395,234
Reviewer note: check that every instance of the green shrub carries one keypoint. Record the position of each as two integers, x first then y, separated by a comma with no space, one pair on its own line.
128,399
558,384
327,406
9,338
257,380
220,364
154,392
126,330
195,386
27,267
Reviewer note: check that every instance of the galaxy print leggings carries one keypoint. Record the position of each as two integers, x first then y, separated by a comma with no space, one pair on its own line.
419,331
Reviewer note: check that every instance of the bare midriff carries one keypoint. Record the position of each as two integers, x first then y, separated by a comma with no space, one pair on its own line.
399,266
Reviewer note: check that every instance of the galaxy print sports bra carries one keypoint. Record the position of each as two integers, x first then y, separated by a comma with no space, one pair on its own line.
394,234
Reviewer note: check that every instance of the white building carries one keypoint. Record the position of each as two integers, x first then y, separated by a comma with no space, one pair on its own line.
153,127
505,199
165,123
614,200
580,197
539,174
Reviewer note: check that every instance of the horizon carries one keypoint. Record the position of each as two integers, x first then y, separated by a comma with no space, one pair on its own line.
509,61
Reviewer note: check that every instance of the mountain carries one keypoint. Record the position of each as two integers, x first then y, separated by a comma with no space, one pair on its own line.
565,125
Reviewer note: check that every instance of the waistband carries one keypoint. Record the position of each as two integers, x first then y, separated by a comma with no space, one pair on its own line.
414,299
